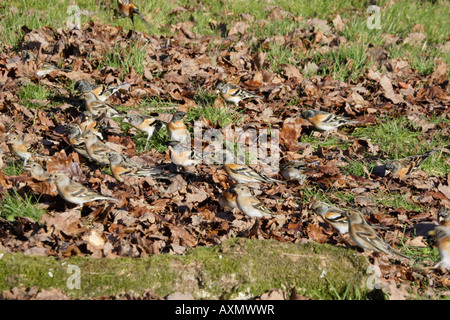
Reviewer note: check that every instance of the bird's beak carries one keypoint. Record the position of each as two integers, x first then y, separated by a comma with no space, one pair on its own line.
173,143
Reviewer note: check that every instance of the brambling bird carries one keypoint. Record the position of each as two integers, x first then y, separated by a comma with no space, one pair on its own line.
336,217
128,10
444,216
121,166
365,236
76,139
234,94
248,203
177,130
244,174
99,108
404,166
149,125
182,155
95,148
442,233
332,215
294,171
18,148
48,68
227,199
2,164
75,192
325,121
28,55
87,122
37,172
103,92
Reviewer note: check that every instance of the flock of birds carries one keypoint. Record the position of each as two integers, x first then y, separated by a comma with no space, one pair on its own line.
86,137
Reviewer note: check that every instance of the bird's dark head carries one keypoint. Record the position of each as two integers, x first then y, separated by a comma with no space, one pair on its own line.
179,115
308,113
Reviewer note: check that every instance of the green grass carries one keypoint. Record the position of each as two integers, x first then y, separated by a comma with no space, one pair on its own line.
423,61
331,141
13,205
315,193
345,196
125,57
391,199
420,254
278,56
158,141
217,115
395,200
350,292
431,16
30,92
399,138
348,61
13,168
436,164
356,168
399,18
149,105
280,27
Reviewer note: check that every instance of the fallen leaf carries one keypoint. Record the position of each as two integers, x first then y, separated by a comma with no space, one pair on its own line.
389,90
292,72
439,76
239,27
51,294
415,38
274,295
316,233
416,242
291,132
338,23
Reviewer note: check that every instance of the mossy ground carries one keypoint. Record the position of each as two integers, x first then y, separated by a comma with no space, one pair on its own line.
224,272
238,268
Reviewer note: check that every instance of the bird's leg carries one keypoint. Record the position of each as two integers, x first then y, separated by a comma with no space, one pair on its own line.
341,136
322,135
342,238
78,207
146,143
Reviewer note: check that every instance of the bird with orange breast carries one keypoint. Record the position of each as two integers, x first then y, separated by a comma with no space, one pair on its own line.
129,10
